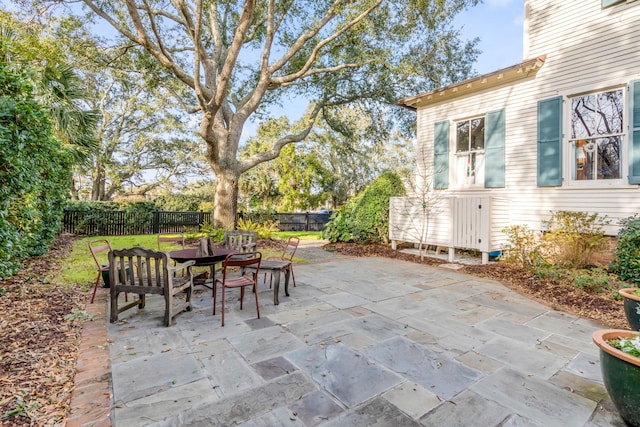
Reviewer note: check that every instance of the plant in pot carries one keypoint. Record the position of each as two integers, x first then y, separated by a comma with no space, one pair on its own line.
631,298
620,366
626,263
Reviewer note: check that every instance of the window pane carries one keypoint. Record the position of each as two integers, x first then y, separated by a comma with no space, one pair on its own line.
609,157
583,160
583,123
477,134
462,136
609,118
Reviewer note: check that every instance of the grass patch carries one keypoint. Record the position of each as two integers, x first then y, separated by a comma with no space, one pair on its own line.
303,235
79,269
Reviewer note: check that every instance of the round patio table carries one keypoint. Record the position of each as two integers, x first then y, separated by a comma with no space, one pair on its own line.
209,260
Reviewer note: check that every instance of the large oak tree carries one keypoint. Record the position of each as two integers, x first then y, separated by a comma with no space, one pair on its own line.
240,58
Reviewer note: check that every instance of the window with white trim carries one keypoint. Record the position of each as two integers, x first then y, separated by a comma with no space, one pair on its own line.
597,136
469,155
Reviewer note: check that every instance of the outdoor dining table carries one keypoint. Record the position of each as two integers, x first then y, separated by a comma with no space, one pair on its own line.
208,260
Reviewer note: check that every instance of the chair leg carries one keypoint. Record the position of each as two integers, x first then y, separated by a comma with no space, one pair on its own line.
242,296
293,277
214,297
222,305
95,287
255,291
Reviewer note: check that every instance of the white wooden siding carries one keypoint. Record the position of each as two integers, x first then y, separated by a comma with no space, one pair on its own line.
587,49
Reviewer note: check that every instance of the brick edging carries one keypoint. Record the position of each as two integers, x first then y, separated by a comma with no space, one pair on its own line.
92,392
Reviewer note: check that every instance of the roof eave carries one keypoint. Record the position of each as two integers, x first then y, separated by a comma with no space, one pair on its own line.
510,74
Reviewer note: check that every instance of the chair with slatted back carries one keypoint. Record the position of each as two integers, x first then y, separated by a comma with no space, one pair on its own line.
175,238
240,240
97,247
151,272
247,275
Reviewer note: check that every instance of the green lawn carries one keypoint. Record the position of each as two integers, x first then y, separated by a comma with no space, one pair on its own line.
79,268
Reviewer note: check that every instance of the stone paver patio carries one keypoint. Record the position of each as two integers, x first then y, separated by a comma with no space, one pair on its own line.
361,341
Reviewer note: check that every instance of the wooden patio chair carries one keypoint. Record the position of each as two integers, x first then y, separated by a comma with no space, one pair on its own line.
145,271
287,255
240,240
96,247
246,261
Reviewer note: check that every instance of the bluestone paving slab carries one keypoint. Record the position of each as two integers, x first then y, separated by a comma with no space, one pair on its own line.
279,417
579,385
586,366
376,327
244,406
316,408
511,352
412,399
264,343
343,300
467,409
435,372
273,368
230,373
378,412
149,374
536,399
269,371
509,329
347,375
163,403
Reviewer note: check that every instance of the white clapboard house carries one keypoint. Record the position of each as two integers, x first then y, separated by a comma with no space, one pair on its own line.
558,131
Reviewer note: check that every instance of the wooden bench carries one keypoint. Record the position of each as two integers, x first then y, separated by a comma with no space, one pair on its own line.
144,271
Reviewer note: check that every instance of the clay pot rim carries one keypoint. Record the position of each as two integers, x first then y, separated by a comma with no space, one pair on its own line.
628,293
601,339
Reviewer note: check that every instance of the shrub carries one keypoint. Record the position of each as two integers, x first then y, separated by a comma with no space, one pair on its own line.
365,218
574,237
34,175
210,230
627,255
595,281
523,247
264,230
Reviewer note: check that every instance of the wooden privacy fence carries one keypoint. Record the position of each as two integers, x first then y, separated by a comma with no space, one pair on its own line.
120,223
298,221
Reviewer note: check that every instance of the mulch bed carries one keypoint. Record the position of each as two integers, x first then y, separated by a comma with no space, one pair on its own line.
39,341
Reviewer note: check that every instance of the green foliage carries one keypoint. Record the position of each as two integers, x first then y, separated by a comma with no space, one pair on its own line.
365,218
627,254
628,345
574,237
522,248
264,230
22,408
208,229
34,176
178,203
594,281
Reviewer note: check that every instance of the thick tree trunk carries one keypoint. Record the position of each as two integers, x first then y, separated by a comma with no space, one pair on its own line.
226,200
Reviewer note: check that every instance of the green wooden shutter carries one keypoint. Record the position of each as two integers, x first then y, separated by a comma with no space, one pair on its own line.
634,138
494,147
441,155
607,3
550,142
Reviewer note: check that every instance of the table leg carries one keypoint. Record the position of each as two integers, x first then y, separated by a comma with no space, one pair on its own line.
276,286
287,272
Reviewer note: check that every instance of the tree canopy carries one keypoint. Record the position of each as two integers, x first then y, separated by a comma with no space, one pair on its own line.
242,58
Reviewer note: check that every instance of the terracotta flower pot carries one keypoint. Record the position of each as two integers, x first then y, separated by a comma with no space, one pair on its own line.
621,374
631,307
